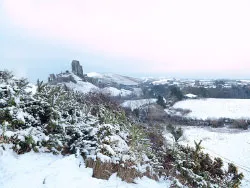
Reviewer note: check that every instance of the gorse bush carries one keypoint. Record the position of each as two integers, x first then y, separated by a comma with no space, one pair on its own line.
197,169
176,132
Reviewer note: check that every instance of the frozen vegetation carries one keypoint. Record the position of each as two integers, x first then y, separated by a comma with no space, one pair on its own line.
229,144
49,136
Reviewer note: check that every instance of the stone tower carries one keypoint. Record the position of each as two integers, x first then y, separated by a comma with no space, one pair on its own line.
77,68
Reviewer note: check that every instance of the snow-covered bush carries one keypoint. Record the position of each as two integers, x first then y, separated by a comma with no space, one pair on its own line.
196,169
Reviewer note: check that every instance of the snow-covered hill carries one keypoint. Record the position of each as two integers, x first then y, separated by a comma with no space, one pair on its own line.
82,85
115,78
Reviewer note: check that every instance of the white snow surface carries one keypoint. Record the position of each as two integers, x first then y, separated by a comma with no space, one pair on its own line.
233,146
43,170
84,87
115,78
94,75
216,108
116,92
162,81
134,104
31,88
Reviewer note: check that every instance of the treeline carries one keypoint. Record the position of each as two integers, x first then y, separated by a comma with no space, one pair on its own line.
169,91
238,92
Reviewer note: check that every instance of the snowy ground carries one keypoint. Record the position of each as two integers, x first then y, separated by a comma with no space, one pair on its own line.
116,92
216,108
83,87
115,78
229,144
50,171
134,104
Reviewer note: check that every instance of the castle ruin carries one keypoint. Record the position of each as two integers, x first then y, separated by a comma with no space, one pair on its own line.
77,68
67,77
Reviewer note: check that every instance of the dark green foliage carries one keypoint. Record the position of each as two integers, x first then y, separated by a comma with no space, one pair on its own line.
235,91
160,101
5,115
237,177
176,132
6,75
136,113
139,142
176,92
40,86
199,170
22,147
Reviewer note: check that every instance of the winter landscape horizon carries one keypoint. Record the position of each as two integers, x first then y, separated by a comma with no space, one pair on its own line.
124,94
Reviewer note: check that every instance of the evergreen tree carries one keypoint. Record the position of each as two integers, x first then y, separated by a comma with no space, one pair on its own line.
160,101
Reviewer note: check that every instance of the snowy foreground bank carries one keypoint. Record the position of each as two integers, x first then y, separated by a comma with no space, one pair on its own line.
228,144
216,108
50,171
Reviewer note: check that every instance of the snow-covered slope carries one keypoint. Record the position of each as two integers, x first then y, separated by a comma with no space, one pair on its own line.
94,75
116,92
134,104
115,78
84,87
162,81
42,170
228,144
216,108
78,84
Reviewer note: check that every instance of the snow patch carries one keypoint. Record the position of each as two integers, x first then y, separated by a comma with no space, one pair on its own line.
83,87
134,104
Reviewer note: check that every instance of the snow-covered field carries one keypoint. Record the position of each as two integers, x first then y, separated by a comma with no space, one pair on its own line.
50,171
229,144
216,108
134,104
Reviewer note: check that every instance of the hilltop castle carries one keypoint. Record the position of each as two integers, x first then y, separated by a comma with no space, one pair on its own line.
67,77
77,68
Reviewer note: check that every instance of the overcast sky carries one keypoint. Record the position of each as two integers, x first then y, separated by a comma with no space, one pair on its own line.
195,38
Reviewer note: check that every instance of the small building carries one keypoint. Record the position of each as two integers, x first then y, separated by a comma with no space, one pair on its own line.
190,96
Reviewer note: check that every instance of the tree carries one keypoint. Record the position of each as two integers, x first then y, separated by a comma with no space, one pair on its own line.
176,132
176,92
160,101
40,86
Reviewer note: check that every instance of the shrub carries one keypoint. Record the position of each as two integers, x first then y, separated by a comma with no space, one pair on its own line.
160,101
240,123
176,132
217,123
